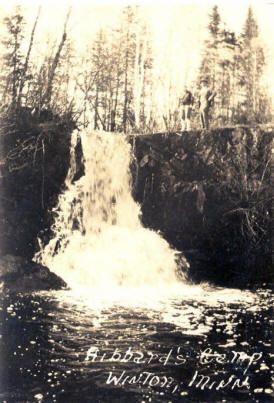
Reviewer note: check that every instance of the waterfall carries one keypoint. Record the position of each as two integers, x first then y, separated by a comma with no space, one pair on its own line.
98,238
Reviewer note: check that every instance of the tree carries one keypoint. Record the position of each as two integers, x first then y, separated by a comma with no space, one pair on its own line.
142,77
252,66
228,63
211,69
234,67
102,81
128,43
13,65
114,76
51,73
97,82
210,55
28,85
24,73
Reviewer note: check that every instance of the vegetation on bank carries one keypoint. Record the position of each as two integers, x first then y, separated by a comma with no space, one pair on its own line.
211,196
240,233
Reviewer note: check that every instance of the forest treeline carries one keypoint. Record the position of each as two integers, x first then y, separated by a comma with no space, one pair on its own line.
111,87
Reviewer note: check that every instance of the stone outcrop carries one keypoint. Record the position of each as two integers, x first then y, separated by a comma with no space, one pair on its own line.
209,193
35,158
17,274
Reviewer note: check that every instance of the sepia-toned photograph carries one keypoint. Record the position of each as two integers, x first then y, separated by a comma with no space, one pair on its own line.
136,201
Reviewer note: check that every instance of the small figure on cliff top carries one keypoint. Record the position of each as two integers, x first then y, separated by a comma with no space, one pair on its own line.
206,99
187,102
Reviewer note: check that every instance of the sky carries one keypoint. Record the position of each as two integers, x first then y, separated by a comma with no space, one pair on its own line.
178,29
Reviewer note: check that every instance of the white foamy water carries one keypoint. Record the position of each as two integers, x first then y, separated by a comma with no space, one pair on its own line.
98,237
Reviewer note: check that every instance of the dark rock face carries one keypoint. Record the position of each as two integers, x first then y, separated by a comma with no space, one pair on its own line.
35,161
35,158
209,193
17,274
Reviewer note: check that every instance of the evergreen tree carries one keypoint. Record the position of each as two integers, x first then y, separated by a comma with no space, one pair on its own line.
210,55
215,66
251,29
252,65
214,23
234,67
228,52
128,47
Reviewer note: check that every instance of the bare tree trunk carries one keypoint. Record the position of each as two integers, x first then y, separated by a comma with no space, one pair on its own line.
105,111
136,78
96,110
47,96
114,111
125,96
100,119
255,84
14,78
109,104
26,64
142,79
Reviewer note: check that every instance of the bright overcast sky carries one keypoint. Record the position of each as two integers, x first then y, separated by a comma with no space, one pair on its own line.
177,28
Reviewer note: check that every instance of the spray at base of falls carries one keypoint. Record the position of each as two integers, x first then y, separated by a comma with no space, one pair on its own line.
98,237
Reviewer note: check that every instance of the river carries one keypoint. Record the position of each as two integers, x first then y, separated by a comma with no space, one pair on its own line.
132,346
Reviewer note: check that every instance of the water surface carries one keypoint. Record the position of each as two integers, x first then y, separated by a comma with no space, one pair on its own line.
137,346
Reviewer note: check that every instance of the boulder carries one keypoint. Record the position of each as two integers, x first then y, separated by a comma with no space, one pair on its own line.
18,274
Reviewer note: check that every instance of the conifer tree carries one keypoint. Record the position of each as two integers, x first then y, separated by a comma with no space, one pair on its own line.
234,67
252,67
210,54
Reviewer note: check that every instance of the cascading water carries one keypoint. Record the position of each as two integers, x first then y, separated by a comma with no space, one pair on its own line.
98,237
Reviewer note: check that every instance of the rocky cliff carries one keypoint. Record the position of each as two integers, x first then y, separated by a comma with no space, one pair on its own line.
209,193
35,158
